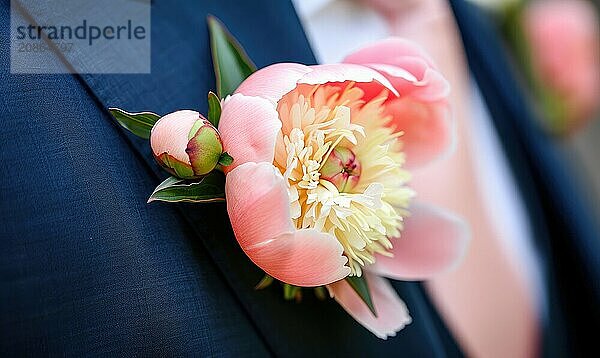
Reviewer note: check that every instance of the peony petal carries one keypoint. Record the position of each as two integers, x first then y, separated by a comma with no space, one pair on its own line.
170,134
273,82
343,72
388,51
257,203
393,71
306,258
411,77
248,128
410,70
428,129
259,209
392,314
433,241
422,111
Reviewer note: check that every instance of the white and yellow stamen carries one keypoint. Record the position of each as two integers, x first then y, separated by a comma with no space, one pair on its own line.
365,214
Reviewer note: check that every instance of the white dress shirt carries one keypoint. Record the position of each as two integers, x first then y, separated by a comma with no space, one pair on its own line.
336,28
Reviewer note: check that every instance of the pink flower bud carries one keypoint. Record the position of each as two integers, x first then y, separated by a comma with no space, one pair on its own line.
342,169
186,144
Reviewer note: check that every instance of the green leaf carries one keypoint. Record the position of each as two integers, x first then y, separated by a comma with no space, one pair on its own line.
359,285
214,109
291,292
139,124
321,293
211,188
265,282
169,182
230,61
225,159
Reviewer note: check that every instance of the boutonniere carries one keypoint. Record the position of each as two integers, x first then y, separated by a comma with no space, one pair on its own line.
314,165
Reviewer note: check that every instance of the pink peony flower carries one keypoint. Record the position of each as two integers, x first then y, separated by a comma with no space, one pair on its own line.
565,49
318,188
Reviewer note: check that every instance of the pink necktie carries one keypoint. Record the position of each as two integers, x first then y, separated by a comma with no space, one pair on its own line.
486,301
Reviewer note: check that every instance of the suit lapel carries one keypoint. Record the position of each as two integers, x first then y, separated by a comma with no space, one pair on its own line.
180,79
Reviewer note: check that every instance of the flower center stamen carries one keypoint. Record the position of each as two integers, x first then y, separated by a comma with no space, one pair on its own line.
342,169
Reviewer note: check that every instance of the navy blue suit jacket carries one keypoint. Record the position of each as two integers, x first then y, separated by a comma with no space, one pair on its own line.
87,267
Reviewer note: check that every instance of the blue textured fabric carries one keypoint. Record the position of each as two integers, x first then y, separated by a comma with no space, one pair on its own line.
88,268
566,234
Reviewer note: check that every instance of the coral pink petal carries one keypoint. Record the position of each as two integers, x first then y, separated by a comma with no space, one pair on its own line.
433,241
259,210
343,72
428,129
258,203
412,78
274,81
304,258
170,134
421,111
410,70
392,314
387,52
248,129
433,87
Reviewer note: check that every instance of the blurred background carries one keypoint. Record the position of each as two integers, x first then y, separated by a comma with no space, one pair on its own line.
555,47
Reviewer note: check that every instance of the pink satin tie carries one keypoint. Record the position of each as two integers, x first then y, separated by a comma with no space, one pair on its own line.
486,301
